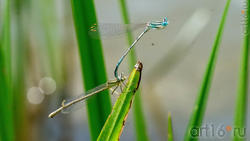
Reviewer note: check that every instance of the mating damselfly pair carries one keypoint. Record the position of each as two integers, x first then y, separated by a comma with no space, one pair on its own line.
148,26
119,79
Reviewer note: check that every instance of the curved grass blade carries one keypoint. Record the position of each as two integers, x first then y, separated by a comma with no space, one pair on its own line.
112,129
170,128
200,105
139,120
92,63
241,101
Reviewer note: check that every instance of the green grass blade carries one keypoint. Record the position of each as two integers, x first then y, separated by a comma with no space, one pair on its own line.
49,32
6,118
139,121
241,101
170,128
200,105
92,62
19,104
113,127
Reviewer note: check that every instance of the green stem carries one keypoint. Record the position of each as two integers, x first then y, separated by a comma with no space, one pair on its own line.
6,97
170,128
139,121
92,62
241,101
19,105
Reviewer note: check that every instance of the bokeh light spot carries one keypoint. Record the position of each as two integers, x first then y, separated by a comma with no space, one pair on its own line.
35,95
47,85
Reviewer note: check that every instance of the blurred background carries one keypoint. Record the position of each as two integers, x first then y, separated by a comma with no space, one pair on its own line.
46,66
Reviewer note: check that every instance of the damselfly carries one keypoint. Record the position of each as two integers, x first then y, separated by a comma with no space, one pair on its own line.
150,25
108,85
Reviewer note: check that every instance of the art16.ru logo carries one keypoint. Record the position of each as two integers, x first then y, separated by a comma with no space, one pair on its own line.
211,131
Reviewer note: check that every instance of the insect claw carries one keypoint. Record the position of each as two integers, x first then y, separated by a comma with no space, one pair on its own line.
63,103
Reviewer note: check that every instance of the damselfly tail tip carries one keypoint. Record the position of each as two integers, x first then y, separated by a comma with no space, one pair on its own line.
51,115
138,66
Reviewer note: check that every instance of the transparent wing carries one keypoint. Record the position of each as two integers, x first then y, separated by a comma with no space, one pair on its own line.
79,101
112,29
69,105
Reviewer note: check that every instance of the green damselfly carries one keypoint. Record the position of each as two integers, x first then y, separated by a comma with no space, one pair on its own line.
108,85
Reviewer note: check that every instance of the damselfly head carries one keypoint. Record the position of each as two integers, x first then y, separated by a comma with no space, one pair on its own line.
165,22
